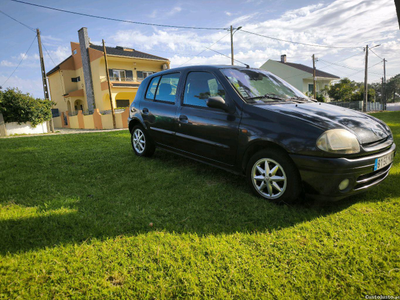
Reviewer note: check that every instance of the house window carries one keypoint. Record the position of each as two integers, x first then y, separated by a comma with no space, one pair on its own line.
74,52
120,75
76,79
122,103
311,88
143,74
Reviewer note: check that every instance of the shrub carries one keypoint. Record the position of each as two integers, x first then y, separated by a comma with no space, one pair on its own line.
21,108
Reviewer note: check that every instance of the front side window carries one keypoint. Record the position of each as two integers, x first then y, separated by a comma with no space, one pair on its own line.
261,86
199,87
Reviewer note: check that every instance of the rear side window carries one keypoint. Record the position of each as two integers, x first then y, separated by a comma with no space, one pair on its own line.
199,87
166,90
151,91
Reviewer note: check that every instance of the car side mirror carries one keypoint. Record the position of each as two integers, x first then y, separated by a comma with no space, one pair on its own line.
217,102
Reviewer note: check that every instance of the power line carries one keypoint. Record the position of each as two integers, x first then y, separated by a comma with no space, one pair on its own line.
48,54
358,53
118,20
364,70
293,42
375,53
228,57
205,49
27,26
23,57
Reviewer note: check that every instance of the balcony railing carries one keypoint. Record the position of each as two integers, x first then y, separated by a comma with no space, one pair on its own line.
115,78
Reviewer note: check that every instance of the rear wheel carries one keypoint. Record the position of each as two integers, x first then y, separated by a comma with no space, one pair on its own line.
141,143
273,176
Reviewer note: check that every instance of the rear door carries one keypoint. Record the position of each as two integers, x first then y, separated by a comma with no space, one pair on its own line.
159,107
206,133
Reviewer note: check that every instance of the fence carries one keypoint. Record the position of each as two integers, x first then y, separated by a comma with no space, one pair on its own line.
96,120
358,105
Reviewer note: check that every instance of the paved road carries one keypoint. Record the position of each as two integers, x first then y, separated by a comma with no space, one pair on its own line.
393,106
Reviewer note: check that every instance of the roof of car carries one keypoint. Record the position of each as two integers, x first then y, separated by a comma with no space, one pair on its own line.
202,67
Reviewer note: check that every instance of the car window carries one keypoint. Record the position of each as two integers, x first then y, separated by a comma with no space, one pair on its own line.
152,88
199,87
166,90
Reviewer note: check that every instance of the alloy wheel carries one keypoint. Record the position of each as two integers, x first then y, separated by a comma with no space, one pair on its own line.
139,141
268,178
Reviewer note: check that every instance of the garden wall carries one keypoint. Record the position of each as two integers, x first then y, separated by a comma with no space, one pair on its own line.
25,128
94,121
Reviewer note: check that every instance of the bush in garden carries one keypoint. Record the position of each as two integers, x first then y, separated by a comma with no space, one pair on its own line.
21,108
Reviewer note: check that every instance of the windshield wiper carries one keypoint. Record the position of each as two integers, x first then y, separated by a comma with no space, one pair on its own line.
269,96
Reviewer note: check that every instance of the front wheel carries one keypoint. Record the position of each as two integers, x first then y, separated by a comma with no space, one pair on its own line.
273,176
141,143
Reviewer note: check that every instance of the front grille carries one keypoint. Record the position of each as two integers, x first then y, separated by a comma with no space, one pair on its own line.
372,144
372,178
378,146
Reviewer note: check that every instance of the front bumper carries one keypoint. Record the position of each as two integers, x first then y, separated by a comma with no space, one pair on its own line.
321,176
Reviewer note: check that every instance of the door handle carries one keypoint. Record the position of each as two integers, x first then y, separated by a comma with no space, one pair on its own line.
183,119
145,110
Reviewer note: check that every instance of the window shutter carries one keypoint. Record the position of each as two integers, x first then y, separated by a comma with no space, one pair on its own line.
129,74
139,74
110,72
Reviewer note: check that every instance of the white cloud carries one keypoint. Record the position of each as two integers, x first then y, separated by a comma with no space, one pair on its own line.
342,23
228,13
34,87
6,63
174,11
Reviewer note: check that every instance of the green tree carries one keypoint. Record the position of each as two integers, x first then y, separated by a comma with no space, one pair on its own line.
343,90
393,88
18,107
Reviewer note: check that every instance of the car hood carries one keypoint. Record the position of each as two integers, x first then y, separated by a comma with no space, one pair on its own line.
327,116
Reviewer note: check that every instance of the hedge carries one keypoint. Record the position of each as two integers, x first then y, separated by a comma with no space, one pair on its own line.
21,108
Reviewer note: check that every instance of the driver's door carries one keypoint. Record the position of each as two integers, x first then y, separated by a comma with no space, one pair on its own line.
202,132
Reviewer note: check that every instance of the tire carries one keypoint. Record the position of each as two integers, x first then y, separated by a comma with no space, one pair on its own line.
141,143
281,184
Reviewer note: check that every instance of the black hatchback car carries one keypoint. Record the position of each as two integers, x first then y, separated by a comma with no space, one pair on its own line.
251,122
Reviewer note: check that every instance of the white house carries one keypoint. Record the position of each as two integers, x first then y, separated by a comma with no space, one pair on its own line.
298,75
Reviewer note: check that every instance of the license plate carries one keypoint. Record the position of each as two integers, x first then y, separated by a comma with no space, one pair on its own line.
383,161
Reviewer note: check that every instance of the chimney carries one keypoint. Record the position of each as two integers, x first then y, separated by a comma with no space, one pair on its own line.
84,42
283,58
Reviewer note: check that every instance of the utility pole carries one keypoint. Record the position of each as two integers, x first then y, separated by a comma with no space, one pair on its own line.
45,90
109,84
382,99
384,84
44,80
232,62
314,80
366,81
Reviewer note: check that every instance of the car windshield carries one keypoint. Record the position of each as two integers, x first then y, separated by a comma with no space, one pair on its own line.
257,86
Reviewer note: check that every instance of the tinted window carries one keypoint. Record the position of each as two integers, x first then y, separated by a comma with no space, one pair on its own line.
199,87
167,87
152,88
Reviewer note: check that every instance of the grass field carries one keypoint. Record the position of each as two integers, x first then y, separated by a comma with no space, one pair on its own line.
75,214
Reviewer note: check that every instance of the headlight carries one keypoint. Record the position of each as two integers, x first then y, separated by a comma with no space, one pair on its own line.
338,141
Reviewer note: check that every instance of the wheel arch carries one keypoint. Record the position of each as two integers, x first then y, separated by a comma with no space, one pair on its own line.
134,122
257,146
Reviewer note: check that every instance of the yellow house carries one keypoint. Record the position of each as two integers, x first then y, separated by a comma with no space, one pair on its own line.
80,81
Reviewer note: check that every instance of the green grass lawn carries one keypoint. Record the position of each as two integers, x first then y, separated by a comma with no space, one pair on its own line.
75,214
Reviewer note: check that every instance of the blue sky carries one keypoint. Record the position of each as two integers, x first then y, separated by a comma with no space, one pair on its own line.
340,23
